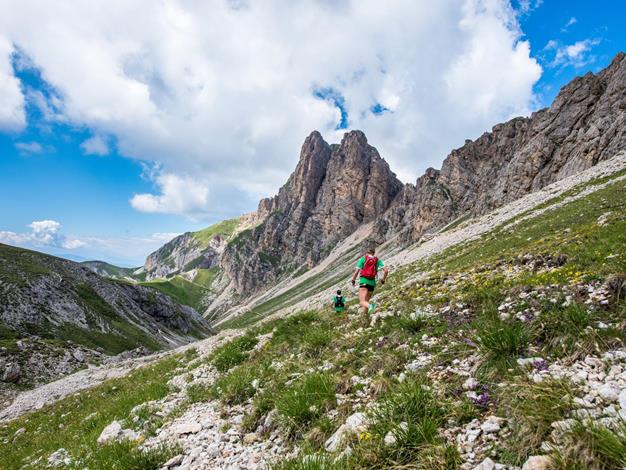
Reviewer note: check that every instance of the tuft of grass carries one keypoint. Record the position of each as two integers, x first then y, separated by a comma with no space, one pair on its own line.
501,343
126,455
199,392
413,404
233,352
569,332
236,387
592,446
531,409
304,401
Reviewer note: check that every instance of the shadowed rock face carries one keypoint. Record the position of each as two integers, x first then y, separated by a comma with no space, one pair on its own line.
585,124
333,190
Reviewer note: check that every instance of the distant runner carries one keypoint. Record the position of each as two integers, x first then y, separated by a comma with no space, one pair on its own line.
339,302
368,267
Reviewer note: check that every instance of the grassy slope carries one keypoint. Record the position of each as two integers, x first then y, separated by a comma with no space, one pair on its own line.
187,292
226,228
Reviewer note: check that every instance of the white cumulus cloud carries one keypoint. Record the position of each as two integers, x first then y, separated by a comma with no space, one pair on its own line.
95,145
576,55
43,233
178,195
227,91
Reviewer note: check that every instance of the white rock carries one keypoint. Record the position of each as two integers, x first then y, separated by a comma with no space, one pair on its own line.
355,424
59,458
187,428
173,461
390,439
110,433
78,355
608,393
622,399
529,361
491,425
486,464
537,462
470,384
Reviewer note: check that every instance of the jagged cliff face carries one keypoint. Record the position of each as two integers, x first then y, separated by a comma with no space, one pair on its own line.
333,190
585,124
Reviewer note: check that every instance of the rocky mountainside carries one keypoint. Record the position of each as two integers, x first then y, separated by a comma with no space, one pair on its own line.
50,307
191,250
585,124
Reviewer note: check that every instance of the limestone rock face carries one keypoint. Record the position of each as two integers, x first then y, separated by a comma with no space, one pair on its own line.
585,125
333,190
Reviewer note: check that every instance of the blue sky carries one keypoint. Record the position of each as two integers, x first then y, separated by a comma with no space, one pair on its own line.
124,155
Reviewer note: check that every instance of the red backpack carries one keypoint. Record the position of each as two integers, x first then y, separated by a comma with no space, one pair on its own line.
370,268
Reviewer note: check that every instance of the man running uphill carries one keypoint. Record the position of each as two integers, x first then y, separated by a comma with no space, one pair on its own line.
367,269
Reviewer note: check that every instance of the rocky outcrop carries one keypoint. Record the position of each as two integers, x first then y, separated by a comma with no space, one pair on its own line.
585,124
333,190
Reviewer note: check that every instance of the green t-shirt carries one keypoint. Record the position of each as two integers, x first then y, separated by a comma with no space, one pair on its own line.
363,280
338,309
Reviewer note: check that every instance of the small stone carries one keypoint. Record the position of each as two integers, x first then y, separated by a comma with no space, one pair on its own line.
470,384
187,428
11,373
173,461
538,462
486,464
390,439
110,433
491,425
59,458
608,393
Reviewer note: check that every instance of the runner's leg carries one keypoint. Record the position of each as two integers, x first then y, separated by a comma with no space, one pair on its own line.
364,297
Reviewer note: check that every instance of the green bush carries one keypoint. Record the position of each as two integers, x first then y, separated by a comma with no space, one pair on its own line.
411,403
569,331
236,387
199,392
531,409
